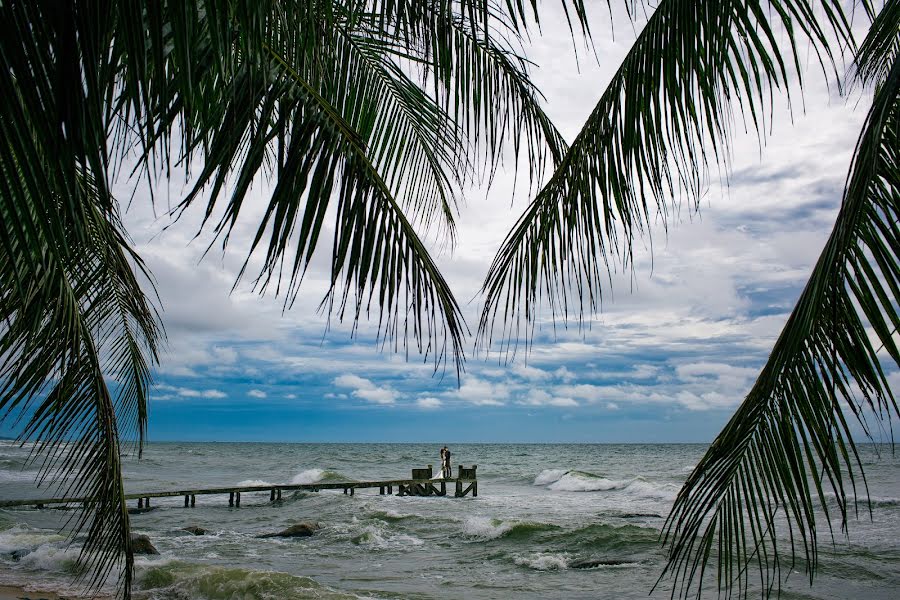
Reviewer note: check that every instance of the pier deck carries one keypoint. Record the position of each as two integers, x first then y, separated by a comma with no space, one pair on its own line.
420,484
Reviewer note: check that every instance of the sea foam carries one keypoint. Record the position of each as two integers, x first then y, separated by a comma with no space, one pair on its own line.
308,476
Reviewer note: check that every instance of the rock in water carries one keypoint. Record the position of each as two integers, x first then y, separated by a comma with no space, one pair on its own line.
140,544
19,554
140,511
304,529
194,530
591,563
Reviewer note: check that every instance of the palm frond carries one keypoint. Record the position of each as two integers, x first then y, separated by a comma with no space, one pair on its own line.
790,441
74,315
882,44
665,116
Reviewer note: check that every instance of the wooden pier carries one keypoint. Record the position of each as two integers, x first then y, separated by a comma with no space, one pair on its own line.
420,484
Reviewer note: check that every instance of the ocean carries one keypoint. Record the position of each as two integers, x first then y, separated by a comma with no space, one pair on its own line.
542,512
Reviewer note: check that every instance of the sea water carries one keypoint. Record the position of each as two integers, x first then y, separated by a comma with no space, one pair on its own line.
541,512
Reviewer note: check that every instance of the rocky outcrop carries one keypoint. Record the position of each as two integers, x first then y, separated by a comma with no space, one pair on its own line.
141,544
194,530
304,529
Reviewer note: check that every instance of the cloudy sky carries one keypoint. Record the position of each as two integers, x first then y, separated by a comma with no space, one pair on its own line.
670,357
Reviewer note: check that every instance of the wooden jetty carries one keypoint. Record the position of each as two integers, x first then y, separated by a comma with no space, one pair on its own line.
420,484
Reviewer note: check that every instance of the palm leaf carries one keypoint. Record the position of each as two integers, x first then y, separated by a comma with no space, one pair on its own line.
790,441
666,114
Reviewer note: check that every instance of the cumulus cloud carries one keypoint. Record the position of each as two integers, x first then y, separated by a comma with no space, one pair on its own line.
543,398
479,392
189,392
257,394
365,389
429,402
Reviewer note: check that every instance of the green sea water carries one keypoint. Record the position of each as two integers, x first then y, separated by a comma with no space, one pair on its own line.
542,513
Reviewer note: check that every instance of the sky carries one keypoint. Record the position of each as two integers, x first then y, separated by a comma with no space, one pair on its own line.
677,345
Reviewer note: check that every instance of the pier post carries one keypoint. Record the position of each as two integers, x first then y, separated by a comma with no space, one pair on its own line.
458,493
187,500
474,489
278,496
390,489
237,499
140,503
231,499
352,491
193,500
443,488
381,490
345,491
147,502
272,495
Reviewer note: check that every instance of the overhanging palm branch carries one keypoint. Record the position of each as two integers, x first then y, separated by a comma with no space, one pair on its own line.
355,109
791,441
665,116
74,316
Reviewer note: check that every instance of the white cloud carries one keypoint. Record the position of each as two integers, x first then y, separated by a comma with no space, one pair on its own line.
542,398
530,373
479,392
564,374
191,393
429,402
257,394
366,390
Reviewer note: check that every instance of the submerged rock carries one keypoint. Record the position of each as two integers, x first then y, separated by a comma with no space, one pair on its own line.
19,554
141,544
140,511
304,529
194,530
591,563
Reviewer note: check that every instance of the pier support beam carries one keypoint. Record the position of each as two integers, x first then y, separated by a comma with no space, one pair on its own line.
187,500
272,495
193,500
278,496
237,499
140,503
231,499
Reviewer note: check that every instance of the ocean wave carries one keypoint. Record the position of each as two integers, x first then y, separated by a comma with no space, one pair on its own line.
487,528
253,483
378,537
548,476
392,516
543,561
209,582
559,480
317,476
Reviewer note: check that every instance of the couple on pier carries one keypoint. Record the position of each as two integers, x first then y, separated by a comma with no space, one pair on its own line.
446,471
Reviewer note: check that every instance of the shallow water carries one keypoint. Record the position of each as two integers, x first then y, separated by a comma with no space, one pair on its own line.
541,509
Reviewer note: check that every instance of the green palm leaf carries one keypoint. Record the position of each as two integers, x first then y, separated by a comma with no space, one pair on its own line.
790,440
666,114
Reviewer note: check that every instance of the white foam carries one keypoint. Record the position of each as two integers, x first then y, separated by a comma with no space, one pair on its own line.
549,476
22,537
253,483
486,528
543,561
308,476
49,557
574,481
649,490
